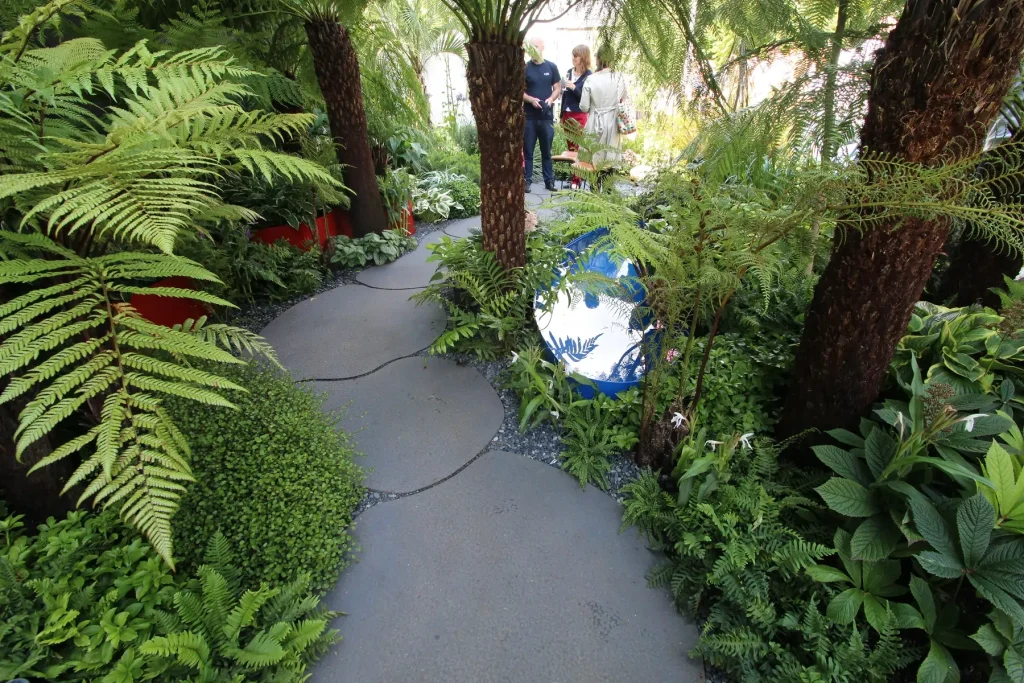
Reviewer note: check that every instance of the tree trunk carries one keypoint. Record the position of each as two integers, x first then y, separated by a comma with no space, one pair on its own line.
37,496
337,71
496,73
939,80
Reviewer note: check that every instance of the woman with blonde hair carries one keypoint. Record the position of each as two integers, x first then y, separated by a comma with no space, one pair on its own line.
602,94
572,90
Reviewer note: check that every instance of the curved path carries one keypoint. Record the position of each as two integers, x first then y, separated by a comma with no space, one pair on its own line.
487,566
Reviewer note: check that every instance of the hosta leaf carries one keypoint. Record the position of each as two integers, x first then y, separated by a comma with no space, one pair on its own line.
848,497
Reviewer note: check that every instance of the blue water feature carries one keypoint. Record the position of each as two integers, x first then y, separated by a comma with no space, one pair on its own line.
597,332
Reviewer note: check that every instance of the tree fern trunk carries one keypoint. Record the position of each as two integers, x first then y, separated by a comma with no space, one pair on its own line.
337,71
36,496
938,82
496,73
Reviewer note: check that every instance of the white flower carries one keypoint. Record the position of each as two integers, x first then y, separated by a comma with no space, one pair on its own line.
969,421
714,444
900,421
515,357
745,440
678,420
555,414
551,385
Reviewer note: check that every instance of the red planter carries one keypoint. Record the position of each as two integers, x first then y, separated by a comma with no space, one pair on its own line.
167,310
333,224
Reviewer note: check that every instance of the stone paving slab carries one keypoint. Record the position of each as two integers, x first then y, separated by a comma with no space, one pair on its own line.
417,420
351,330
533,200
407,272
507,572
462,227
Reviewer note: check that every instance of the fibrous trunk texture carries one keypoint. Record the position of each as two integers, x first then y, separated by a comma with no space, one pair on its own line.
337,71
496,74
939,80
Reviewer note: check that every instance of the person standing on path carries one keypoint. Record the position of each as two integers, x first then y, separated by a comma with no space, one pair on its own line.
572,90
543,86
602,94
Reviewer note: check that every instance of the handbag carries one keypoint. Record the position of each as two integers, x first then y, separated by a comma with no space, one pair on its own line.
624,117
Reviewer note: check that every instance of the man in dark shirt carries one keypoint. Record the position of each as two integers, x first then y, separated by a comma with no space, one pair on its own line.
543,86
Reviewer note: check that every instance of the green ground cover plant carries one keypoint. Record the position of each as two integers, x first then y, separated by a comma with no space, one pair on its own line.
373,248
275,477
86,599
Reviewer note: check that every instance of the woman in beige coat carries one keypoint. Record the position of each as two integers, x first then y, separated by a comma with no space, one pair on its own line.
602,93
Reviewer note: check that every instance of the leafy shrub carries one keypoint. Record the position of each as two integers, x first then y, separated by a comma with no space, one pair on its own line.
441,195
380,249
466,194
738,553
490,310
277,201
455,161
250,271
742,385
274,476
86,599
396,188
467,138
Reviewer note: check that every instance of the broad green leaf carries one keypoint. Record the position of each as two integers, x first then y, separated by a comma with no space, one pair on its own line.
989,640
879,449
880,578
875,612
825,574
975,520
848,497
932,526
906,616
844,607
998,597
945,566
922,593
846,437
843,463
1013,661
939,666
874,539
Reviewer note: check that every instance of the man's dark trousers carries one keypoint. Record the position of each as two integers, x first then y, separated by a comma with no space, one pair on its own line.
542,130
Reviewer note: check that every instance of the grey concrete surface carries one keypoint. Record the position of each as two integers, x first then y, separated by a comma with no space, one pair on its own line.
417,420
507,572
351,330
407,272
462,227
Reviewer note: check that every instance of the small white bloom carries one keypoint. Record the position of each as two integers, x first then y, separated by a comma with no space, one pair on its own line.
900,422
515,357
555,414
745,440
969,421
678,420
714,444
551,385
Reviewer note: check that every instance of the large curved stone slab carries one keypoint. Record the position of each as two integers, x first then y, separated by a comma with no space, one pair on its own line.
351,330
506,572
462,228
533,200
417,420
410,271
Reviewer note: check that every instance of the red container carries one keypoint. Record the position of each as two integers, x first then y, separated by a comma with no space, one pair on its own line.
169,310
333,224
